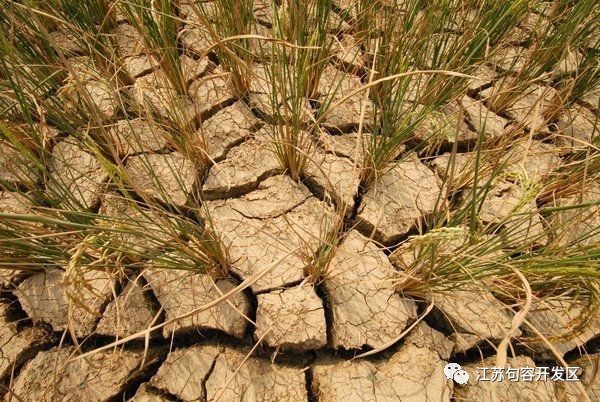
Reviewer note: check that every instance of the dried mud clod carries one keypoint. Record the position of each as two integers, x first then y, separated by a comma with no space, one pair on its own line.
226,129
50,297
336,177
348,114
145,227
276,236
577,226
169,178
588,374
137,136
411,373
483,119
181,292
77,178
243,169
129,313
558,319
98,377
575,128
398,200
18,346
291,319
476,312
366,310
14,166
214,373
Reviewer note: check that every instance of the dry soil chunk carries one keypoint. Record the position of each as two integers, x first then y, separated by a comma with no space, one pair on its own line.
146,226
189,10
154,92
181,292
132,50
335,85
530,107
169,177
529,160
352,146
274,197
129,313
416,254
12,202
227,128
291,319
336,176
423,336
138,65
398,199
474,311
52,376
533,158
9,277
535,391
17,346
242,170
277,236
66,42
197,39
460,169
413,373
44,298
463,341
592,98
77,176
185,371
579,225
484,76
103,95
483,119
509,204
253,380
193,69
359,285
576,127
263,12
128,40
442,126
136,136
348,52
211,92
509,58
266,97
557,319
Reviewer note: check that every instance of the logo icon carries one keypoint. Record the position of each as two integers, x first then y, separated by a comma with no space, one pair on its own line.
455,372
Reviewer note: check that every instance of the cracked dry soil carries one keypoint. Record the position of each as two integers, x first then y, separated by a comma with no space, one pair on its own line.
284,338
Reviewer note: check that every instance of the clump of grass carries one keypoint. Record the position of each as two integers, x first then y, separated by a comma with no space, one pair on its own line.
158,24
298,56
444,37
229,29
90,23
331,235
34,75
568,28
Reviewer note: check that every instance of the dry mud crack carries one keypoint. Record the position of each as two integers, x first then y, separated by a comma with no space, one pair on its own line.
322,257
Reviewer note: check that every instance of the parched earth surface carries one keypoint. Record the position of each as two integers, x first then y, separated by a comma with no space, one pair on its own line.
285,337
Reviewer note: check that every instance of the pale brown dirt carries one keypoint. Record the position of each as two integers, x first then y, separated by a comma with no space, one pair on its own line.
309,329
